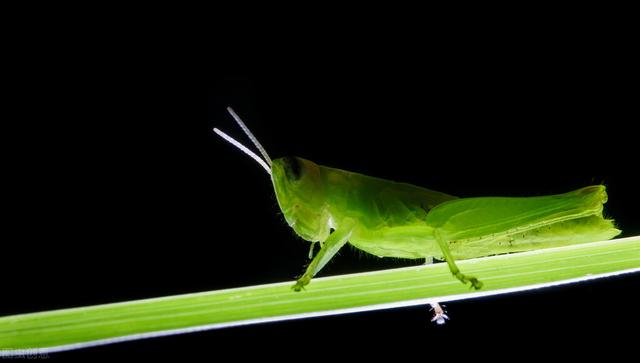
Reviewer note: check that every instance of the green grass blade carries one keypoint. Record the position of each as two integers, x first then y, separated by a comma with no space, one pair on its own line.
93,325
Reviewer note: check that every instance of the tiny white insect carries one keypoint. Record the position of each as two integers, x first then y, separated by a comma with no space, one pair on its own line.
439,315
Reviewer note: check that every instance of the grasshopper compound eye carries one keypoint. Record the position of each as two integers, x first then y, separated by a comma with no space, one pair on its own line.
292,167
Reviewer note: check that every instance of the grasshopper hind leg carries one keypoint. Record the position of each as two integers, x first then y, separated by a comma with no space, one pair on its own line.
475,283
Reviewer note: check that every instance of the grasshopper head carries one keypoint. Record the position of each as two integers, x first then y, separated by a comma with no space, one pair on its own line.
298,187
300,193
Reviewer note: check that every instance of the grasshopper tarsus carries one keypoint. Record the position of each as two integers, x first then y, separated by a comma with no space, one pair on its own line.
299,285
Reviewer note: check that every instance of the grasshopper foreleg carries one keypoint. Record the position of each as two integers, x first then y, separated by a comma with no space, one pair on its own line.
330,247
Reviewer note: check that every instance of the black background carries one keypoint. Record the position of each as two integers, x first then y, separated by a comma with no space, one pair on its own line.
116,188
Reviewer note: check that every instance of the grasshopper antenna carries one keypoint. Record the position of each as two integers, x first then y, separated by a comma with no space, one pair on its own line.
250,135
243,148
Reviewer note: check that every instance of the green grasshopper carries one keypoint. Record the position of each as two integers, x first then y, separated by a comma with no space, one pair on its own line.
390,219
